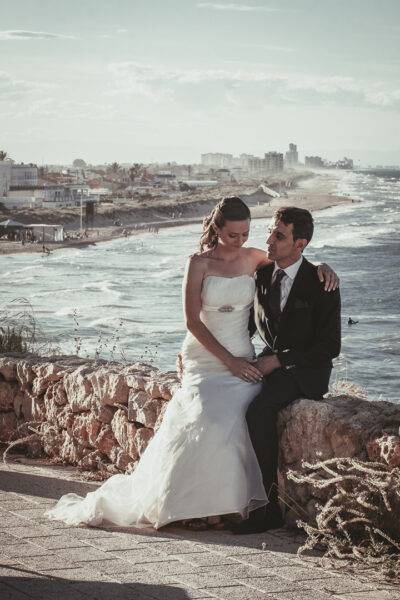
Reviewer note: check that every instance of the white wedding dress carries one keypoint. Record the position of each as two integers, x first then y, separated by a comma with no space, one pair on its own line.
201,461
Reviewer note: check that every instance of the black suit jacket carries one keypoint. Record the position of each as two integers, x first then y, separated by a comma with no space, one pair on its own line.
309,331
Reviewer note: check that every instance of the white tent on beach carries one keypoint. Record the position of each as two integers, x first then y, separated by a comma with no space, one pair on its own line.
44,232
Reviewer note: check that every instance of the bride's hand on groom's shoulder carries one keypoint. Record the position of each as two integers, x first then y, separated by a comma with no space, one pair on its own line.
328,276
242,368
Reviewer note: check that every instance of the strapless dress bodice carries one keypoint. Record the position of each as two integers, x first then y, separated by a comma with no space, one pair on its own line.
226,304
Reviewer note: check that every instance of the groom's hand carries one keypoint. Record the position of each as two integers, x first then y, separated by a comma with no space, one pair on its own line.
267,364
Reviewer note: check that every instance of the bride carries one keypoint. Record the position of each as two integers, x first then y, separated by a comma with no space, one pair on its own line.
201,461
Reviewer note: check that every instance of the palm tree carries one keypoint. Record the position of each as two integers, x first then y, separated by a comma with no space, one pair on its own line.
3,154
115,167
135,171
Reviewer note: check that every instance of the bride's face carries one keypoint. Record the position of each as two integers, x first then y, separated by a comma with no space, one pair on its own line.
234,233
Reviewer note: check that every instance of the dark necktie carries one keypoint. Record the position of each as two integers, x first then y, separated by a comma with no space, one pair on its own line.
274,300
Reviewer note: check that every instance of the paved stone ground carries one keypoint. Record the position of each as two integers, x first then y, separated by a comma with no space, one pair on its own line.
42,559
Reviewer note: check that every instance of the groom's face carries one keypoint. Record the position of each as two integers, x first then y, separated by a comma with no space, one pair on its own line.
281,247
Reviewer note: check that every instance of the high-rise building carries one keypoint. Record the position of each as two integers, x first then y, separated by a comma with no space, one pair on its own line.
217,160
314,162
273,162
292,156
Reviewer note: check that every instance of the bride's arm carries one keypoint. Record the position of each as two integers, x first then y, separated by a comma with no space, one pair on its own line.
325,273
192,285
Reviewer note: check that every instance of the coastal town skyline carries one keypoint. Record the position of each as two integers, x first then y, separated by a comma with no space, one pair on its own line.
134,82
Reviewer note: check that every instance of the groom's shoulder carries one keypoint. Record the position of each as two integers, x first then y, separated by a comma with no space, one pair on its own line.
311,283
309,275
264,272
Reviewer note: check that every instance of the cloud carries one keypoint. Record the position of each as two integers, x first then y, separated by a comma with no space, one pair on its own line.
237,7
206,89
19,34
12,89
268,47
54,108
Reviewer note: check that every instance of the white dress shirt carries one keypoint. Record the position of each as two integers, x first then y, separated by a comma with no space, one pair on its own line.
287,279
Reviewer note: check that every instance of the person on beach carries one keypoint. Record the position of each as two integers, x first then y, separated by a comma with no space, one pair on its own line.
201,462
300,324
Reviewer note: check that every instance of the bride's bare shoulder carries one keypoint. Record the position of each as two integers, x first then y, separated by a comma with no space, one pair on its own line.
258,256
200,257
198,263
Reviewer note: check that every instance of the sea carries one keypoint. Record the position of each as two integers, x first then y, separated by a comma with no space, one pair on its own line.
122,299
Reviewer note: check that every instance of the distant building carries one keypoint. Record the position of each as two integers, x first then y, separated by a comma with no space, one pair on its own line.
223,175
314,162
345,163
5,176
14,176
217,160
198,183
256,165
24,176
292,156
273,162
244,160
164,178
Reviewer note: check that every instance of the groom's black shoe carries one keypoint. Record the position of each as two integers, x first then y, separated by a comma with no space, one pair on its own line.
260,520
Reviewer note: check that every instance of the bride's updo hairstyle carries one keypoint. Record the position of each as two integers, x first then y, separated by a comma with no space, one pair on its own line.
228,209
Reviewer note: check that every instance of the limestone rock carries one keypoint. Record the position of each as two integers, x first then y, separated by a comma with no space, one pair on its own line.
71,452
136,382
94,461
38,407
147,415
8,368
79,389
162,387
56,393
142,438
26,406
25,374
46,374
119,458
64,417
106,441
51,439
124,433
304,431
18,404
7,393
8,426
104,413
136,401
85,429
109,386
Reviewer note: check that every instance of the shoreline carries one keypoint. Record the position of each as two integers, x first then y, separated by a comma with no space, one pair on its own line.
312,194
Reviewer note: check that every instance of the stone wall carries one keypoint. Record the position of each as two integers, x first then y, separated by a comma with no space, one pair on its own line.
100,416
96,415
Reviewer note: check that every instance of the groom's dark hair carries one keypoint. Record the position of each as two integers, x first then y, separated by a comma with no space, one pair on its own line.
300,218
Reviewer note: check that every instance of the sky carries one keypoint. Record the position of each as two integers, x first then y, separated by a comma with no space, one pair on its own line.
167,80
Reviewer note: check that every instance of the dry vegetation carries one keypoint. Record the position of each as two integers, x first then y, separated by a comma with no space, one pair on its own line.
360,522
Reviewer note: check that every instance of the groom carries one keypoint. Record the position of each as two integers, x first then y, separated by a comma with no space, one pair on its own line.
300,325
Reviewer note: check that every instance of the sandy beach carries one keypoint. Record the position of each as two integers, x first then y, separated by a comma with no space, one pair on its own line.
314,193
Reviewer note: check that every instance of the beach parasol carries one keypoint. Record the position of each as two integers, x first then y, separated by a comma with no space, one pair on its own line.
10,224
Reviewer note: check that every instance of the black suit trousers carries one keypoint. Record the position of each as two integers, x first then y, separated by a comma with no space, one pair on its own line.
279,390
